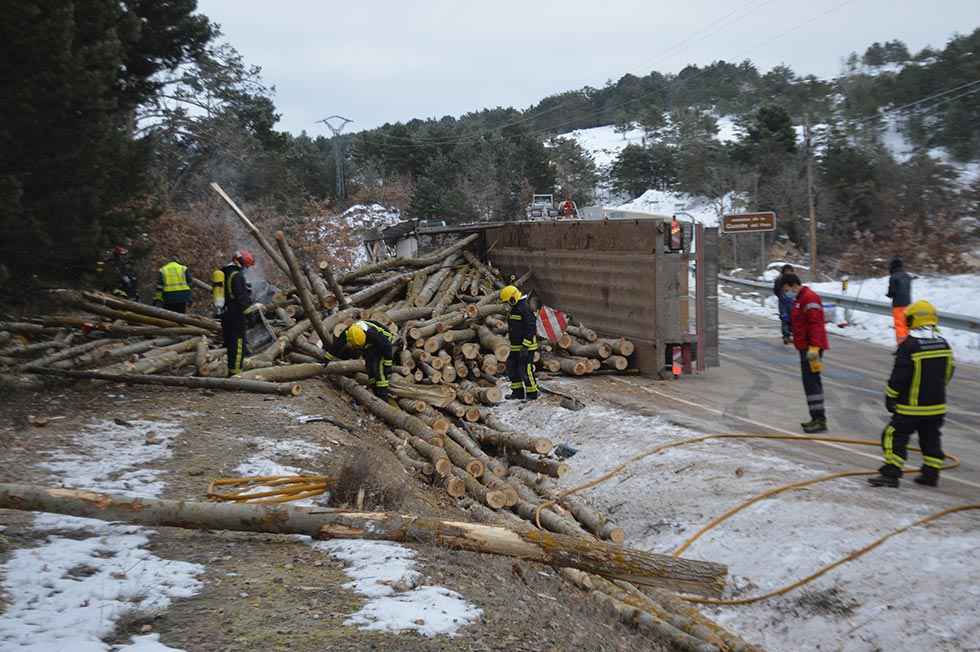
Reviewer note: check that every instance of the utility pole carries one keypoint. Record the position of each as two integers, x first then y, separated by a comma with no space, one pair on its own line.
336,127
808,136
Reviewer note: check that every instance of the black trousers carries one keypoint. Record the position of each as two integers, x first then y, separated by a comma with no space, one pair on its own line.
895,441
233,329
176,307
378,369
813,388
520,371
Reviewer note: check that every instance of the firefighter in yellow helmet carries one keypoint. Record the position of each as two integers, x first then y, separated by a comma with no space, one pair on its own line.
916,397
522,330
376,343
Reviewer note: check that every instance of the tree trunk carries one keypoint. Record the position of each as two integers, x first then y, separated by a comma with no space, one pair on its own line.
471,350
304,294
432,285
446,296
582,332
201,356
459,336
391,415
361,297
463,439
490,498
151,311
495,343
593,521
620,346
552,468
319,288
487,273
294,372
435,454
515,440
606,560
265,244
338,291
616,362
231,384
64,354
599,350
402,315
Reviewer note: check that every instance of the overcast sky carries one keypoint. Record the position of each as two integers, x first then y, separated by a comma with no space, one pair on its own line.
384,61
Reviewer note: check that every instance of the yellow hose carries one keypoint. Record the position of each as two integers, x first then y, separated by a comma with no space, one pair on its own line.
952,463
283,488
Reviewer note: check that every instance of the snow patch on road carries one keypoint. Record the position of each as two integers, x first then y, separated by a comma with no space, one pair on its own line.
917,591
70,591
385,573
954,294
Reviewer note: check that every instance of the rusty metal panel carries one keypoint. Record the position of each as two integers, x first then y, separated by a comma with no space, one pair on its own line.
602,273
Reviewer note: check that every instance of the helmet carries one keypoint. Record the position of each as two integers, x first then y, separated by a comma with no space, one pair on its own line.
510,294
356,334
921,313
119,250
244,257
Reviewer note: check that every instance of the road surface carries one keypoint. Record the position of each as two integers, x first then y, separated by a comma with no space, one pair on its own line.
758,389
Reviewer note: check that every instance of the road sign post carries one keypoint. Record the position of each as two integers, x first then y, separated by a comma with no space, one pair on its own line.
736,224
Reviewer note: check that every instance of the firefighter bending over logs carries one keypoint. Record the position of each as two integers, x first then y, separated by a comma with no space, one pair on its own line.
376,344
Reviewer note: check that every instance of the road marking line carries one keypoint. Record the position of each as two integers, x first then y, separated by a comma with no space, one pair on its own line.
840,384
849,449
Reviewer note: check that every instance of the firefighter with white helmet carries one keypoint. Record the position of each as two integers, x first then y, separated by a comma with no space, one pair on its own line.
522,330
916,397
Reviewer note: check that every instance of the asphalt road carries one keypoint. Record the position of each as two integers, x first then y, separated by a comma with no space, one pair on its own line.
758,389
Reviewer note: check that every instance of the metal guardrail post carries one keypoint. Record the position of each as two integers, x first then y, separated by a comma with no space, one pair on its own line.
946,319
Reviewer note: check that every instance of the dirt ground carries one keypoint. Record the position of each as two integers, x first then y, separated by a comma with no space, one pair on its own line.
268,592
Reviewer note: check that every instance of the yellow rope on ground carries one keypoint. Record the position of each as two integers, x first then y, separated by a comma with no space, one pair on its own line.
693,440
829,567
282,488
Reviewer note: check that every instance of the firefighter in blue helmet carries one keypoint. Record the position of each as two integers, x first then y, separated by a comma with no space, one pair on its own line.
916,397
522,330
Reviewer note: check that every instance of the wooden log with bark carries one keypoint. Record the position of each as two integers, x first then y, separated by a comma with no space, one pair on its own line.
617,362
489,497
118,303
305,297
294,372
620,346
494,343
598,349
327,271
582,332
263,242
516,440
193,382
549,467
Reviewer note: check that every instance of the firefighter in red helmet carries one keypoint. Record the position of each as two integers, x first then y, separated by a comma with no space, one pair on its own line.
236,302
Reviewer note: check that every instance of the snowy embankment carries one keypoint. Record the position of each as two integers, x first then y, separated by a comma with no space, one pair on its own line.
954,294
918,591
70,591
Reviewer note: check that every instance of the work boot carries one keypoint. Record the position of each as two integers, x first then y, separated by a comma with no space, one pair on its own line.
531,396
815,425
928,477
516,395
884,481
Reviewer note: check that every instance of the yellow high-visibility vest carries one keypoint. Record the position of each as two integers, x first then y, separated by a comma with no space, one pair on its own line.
174,278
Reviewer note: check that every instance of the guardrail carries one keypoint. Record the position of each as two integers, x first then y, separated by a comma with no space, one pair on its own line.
946,319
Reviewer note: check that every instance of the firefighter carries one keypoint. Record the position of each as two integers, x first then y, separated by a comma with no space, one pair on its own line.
173,287
237,304
123,283
810,339
567,209
900,292
676,238
522,329
376,344
916,397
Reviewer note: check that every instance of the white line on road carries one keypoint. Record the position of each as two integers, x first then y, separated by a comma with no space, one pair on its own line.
843,447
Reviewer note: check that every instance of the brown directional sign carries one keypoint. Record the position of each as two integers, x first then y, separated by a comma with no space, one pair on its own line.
748,222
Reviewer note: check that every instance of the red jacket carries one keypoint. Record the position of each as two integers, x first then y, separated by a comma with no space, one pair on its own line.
807,321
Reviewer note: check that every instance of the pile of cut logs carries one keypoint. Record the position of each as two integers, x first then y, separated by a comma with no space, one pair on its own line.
451,348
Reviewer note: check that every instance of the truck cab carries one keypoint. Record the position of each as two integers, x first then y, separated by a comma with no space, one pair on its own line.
542,207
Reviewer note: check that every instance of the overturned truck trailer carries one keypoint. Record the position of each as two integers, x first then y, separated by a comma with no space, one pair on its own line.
620,278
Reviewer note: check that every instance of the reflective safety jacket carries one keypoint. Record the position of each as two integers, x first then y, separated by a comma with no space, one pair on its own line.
174,284
522,327
376,338
923,368
236,293
807,321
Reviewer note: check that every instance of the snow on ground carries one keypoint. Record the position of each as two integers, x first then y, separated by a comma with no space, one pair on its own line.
665,202
362,217
917,591
69,592
385,573
954,294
